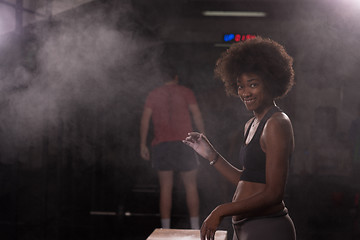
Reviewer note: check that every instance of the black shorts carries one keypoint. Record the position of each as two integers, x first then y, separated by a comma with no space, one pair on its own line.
175,156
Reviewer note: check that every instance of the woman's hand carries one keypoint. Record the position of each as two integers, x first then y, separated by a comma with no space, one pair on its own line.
201,145
210,226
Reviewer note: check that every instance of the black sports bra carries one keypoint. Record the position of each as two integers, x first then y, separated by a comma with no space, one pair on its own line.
252,157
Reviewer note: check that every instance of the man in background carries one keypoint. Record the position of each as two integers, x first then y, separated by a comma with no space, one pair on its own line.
171,107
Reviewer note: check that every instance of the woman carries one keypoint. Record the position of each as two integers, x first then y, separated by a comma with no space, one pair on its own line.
259,71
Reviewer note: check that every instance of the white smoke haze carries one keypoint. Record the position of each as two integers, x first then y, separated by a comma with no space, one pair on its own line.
7,23
84,64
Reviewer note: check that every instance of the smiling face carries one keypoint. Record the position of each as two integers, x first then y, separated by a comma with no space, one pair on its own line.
254,94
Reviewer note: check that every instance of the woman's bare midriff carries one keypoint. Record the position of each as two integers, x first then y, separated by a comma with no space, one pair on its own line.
246,190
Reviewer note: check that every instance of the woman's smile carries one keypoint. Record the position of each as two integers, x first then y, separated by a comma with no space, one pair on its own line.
249,101
253,93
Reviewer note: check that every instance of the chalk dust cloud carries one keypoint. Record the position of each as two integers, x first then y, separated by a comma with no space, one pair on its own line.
77,77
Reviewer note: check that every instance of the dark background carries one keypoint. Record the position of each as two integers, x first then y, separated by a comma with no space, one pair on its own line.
73,86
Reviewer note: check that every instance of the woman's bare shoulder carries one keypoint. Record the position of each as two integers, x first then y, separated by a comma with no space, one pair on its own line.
279,124
279,119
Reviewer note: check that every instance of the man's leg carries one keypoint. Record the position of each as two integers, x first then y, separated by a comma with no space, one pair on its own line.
166,185
192,196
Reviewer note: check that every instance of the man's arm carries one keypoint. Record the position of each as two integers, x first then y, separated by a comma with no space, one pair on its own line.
198,120
144,128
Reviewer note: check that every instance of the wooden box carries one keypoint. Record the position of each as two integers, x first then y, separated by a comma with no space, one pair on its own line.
182,234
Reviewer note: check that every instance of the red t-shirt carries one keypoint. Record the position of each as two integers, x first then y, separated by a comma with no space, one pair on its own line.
170,112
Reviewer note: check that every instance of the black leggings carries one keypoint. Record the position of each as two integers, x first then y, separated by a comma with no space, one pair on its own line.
278,226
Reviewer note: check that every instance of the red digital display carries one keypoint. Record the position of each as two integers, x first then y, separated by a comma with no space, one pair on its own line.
232,37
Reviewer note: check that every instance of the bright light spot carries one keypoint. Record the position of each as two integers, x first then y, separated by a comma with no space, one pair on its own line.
7,19
347,5
233,14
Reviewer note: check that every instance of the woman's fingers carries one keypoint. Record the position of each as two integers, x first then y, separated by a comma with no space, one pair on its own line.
203,233
207,234
192,137
210,235
193,133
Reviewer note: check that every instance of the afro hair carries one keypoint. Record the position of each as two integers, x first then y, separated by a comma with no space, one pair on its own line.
260,56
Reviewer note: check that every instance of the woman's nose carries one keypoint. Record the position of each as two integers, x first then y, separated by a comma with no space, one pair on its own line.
244,93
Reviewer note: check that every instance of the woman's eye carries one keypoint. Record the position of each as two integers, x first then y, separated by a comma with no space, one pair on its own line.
253,85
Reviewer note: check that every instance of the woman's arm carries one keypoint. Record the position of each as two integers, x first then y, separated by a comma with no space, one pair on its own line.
231,173
204,148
